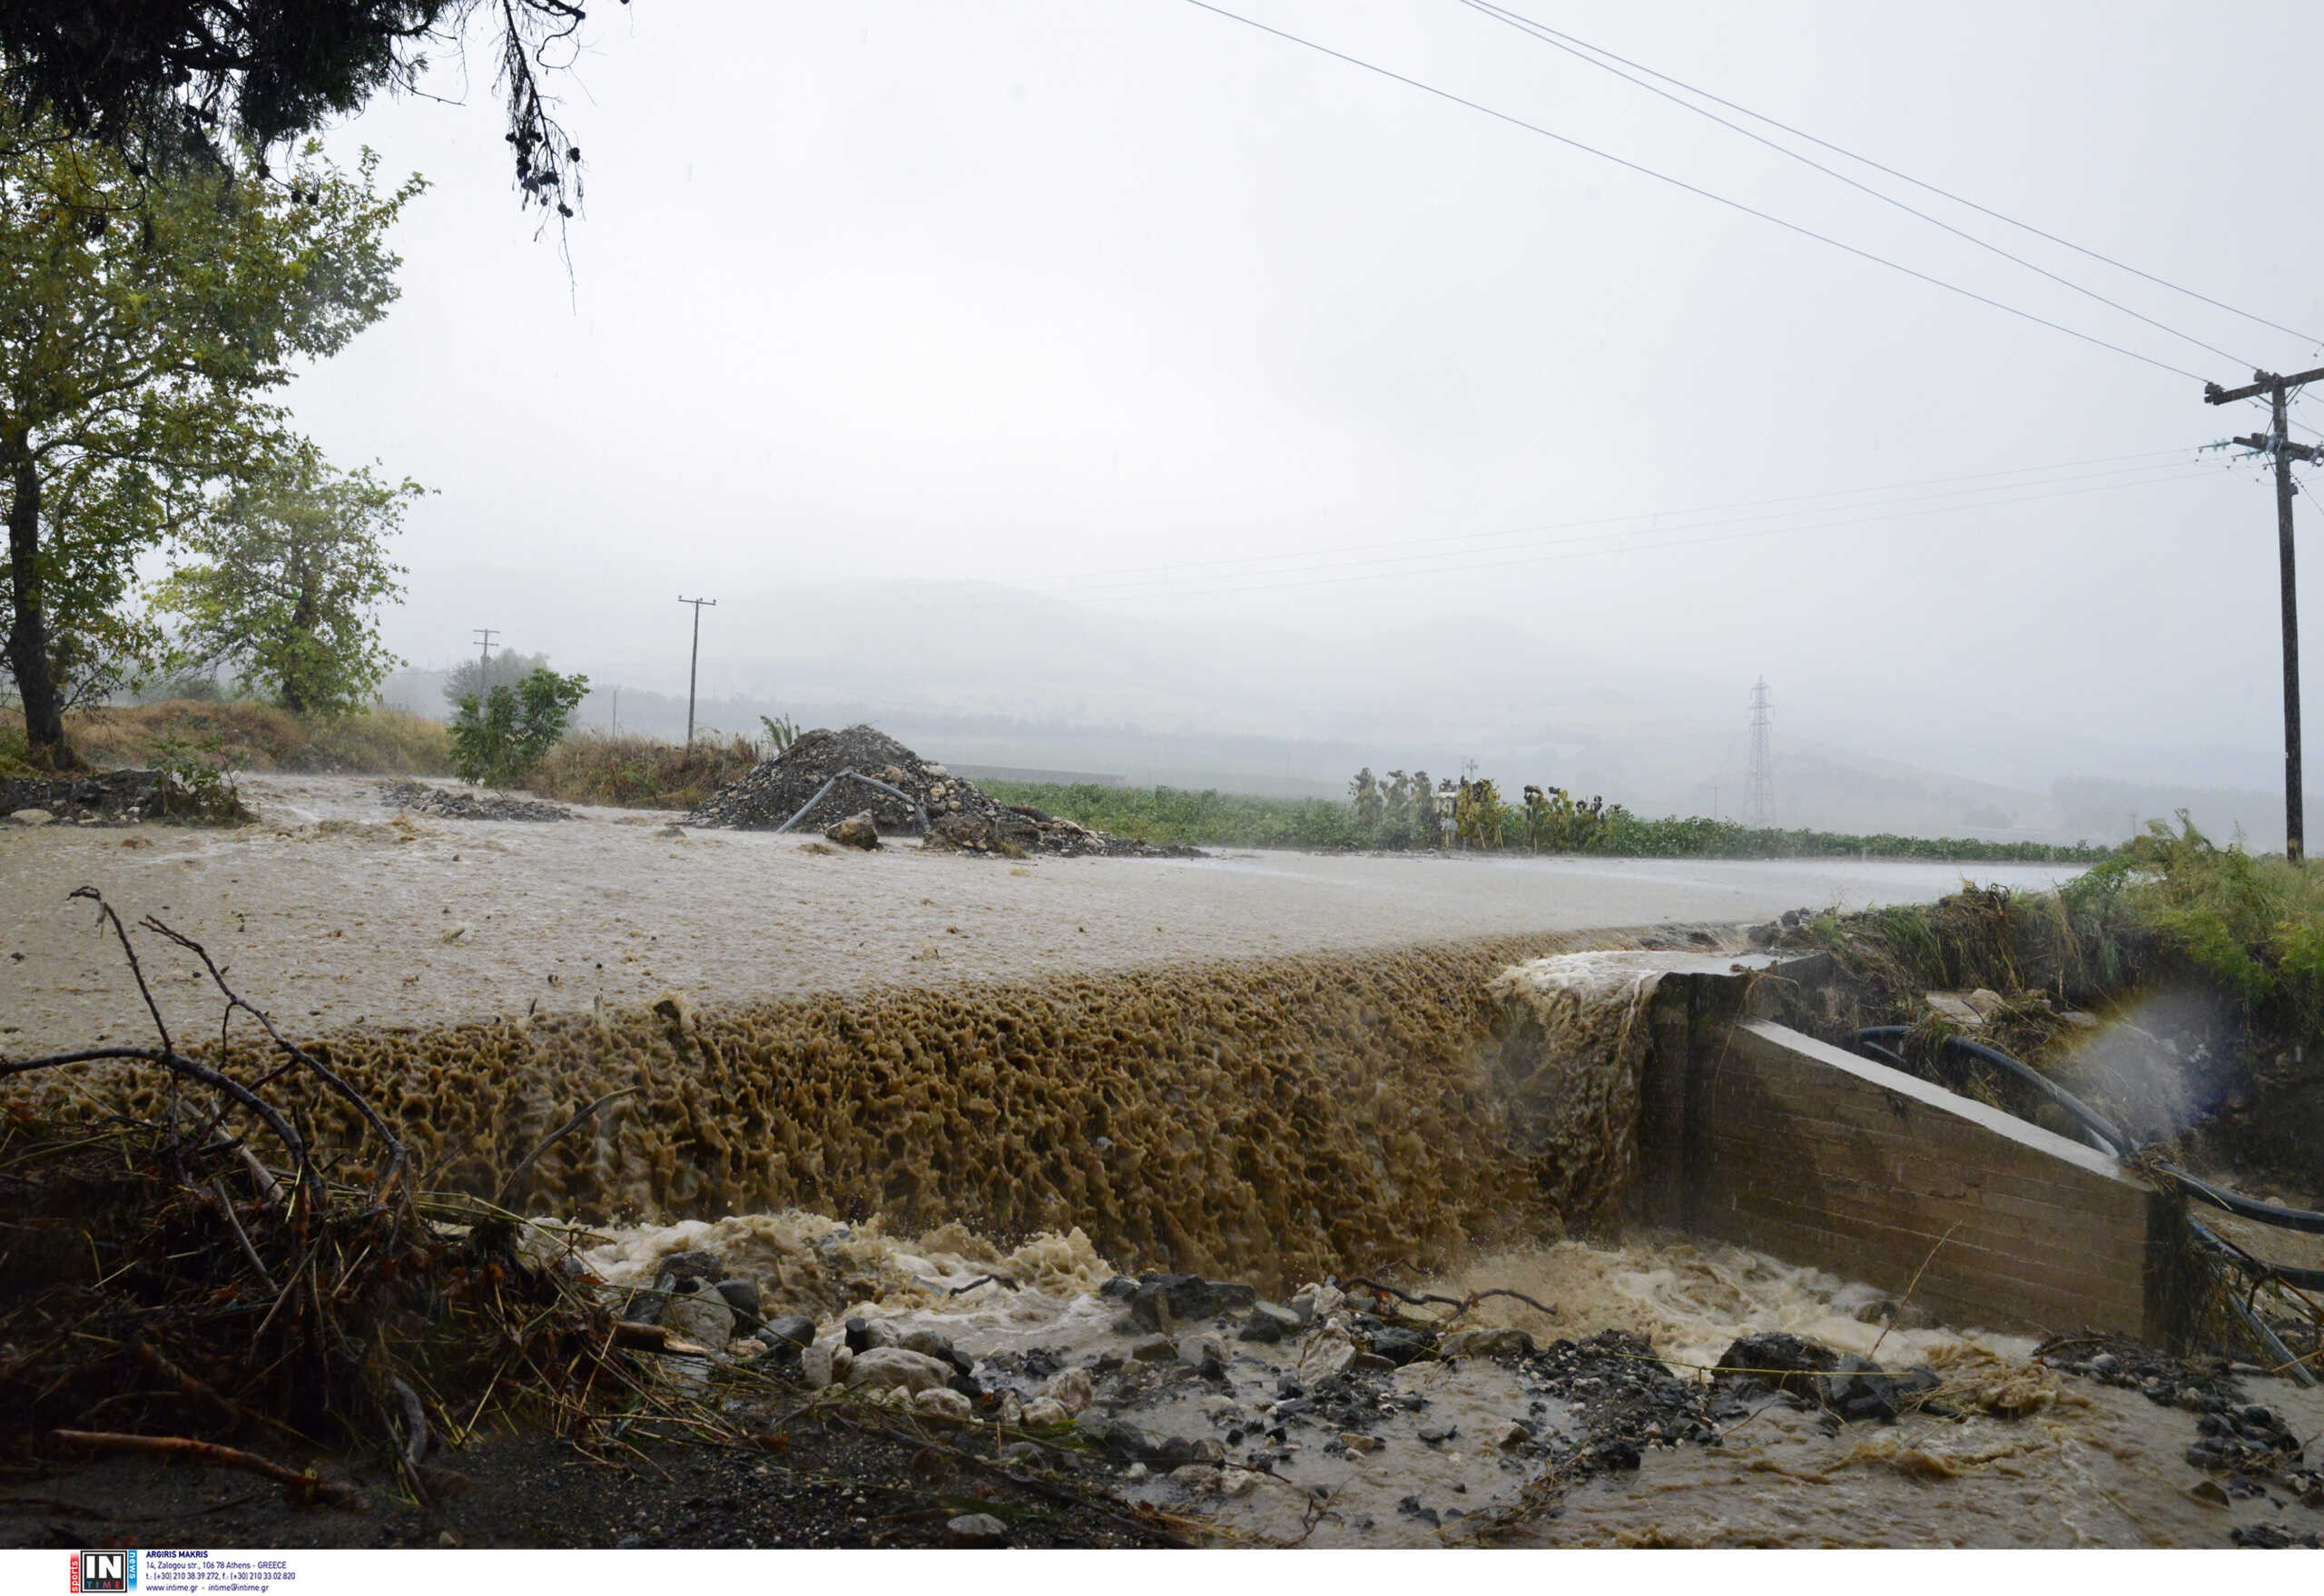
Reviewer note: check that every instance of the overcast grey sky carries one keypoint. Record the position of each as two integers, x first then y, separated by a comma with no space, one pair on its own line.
1134,304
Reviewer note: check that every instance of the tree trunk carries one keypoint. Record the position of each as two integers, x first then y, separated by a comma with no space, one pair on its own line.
28,634
297,657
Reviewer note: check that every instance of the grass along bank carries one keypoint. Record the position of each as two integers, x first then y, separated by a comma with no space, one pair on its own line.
245,736
1215,819
641,772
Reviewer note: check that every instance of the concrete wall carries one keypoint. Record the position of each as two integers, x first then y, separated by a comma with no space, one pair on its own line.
1754,1133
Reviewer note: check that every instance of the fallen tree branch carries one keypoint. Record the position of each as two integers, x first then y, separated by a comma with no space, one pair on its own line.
1458,1304
399,1157
226,1204
415,1422
192,1070
1417,1300
525,1165
307,1486
1539,1307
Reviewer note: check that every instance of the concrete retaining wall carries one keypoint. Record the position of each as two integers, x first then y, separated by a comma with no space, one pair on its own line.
1754,1133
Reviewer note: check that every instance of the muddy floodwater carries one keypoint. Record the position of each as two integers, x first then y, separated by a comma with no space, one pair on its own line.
335,912
1258,1065
1458,1450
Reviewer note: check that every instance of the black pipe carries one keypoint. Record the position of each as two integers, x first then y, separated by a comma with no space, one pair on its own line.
2236,1203
2115,1141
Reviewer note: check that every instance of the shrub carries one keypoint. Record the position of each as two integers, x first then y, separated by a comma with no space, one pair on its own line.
499,740
197,780
630,771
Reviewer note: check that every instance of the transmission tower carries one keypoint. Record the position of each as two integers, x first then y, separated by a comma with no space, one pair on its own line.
1760,788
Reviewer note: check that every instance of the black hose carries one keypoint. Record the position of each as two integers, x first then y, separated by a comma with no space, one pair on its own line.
2219,1197
2097,1124
2235,1203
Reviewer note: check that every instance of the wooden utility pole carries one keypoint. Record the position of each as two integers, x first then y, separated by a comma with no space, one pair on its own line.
695,660
2278,443
485,635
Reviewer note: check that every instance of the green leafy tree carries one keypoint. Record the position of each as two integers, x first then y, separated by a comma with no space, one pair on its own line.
291,571
1397,811
498,740
1370,805
142,325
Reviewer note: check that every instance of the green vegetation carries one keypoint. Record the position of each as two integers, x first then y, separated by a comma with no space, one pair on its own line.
499,740
1172,815
288,575
197,780
2253,926
1400,813
641,772
148,322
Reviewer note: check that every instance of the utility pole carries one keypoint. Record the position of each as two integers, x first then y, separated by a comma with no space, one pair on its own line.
485,635
617,712
1759,788
695,661
2277,442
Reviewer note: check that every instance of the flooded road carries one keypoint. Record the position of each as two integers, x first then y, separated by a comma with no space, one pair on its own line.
335,913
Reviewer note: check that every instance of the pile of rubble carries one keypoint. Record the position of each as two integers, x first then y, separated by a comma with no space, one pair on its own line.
957,814
116,797
444,803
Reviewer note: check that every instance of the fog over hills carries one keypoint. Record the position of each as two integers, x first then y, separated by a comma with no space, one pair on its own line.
988,674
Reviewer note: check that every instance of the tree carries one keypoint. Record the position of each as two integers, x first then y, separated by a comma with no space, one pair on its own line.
142,324
293,566
501,738
1370,806
473,677
161,81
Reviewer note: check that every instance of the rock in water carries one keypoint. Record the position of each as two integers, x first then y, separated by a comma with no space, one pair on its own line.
1271,1321
944,1403
884,1367
1783,1362
1486,1344
32,817
857,830
794,1330
743,1297
1169,1299
702,1318
1070,1389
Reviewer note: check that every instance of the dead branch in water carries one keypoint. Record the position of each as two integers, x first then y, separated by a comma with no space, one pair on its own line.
1458,1304
508,1187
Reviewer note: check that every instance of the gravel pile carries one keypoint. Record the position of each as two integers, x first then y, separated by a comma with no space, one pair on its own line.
961,816
446,804
107,797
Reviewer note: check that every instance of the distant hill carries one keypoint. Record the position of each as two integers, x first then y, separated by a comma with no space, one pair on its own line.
983,673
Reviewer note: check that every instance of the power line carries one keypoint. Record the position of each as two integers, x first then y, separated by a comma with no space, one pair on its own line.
1171,582
1102,578
1228,587
1917,182
1676,182
1556,41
